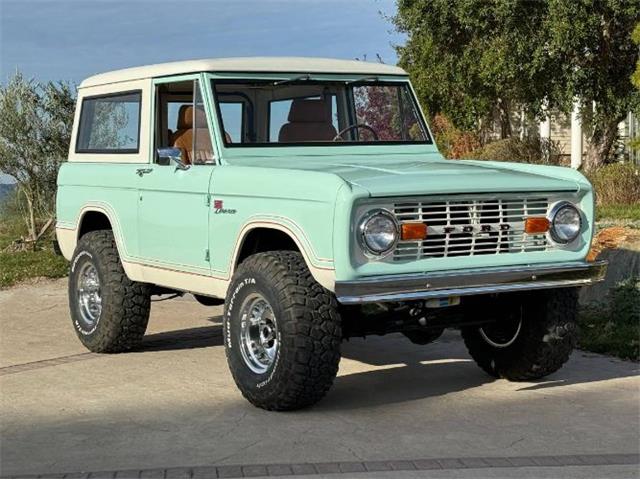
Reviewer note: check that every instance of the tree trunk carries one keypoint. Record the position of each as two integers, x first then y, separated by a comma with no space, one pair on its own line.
599,144
505,119
30,219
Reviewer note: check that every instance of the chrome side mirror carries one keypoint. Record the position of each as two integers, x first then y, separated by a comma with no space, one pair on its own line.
171,156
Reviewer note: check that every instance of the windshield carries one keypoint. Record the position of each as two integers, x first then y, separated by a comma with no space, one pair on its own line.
305,112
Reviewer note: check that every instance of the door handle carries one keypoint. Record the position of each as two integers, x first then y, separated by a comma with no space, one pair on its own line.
142,171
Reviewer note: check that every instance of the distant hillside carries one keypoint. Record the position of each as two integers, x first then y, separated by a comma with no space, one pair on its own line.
5,190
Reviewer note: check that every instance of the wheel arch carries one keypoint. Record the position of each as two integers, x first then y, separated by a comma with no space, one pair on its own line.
94,217
92,220
258,237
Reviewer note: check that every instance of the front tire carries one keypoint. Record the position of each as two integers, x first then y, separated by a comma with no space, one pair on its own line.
109,311
282,332
532,335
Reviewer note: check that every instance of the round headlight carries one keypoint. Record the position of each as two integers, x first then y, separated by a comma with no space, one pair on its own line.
378,232
565,223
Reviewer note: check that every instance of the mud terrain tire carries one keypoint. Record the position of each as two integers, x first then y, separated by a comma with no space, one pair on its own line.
307,330
125,304
544,342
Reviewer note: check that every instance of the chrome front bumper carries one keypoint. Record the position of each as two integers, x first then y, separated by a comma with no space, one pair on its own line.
398,288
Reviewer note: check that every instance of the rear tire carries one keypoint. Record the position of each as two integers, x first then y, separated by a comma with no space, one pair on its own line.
109,311
532,337
282,332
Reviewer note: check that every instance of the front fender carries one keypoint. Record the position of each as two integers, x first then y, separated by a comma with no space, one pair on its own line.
321,268
298,203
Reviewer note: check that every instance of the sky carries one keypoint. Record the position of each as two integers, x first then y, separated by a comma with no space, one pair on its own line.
73,39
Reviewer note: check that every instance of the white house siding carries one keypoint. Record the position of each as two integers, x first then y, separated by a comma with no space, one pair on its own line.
560,131
628,129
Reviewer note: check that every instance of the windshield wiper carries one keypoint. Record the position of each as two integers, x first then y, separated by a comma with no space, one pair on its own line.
363,79
306,76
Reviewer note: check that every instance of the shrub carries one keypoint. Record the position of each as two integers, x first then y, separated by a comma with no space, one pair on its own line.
619,213
616,184
12,225
453,142
612,328
513,149
17,264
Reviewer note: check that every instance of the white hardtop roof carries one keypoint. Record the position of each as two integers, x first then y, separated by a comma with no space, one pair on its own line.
245,64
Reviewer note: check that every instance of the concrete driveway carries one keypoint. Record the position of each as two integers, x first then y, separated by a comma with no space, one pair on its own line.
396,409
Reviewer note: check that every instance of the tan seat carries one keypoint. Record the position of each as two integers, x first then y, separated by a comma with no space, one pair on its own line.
309,121
183,137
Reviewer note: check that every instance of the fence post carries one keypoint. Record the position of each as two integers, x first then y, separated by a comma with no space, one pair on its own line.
576,136
545,133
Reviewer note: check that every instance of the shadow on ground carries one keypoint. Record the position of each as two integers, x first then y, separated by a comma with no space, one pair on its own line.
198,337
445,366
404,371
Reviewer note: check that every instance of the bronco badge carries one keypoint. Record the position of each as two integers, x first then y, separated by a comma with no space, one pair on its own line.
218,207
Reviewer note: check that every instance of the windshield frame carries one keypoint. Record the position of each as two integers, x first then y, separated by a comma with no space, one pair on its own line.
294,79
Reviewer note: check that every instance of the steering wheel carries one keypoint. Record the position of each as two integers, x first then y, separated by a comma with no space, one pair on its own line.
354,126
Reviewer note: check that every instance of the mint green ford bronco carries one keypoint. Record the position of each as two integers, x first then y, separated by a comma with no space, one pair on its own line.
308,196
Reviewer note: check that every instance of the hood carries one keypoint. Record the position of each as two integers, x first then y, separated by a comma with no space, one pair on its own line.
394,175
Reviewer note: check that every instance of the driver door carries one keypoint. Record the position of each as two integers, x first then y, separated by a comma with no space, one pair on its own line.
173,196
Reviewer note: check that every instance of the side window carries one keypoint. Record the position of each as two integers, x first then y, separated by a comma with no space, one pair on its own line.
232,114
110,124
202,149
181,122
173,109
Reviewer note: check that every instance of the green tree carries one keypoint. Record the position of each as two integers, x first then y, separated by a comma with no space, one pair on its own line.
635,78
473,59
35,129
593,57
635,36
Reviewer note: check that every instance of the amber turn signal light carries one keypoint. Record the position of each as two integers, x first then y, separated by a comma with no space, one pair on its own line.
413,231
536,225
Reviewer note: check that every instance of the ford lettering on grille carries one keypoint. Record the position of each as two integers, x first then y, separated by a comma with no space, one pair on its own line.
464,226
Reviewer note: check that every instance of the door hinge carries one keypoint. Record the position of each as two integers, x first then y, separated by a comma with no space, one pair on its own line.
207,200
206,255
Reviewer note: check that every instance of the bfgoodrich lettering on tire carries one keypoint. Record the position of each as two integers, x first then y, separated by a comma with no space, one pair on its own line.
109,312
282,332
533,335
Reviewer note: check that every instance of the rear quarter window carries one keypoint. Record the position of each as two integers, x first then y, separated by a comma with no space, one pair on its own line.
110,124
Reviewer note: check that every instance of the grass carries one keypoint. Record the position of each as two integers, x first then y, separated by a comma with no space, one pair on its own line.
16,267
10,229
613,327
618,212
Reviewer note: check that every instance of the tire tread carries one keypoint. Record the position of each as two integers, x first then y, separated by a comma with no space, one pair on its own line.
311,330
124,320
548,337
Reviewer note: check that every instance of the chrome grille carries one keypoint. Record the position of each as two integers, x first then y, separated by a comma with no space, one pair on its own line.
464,227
